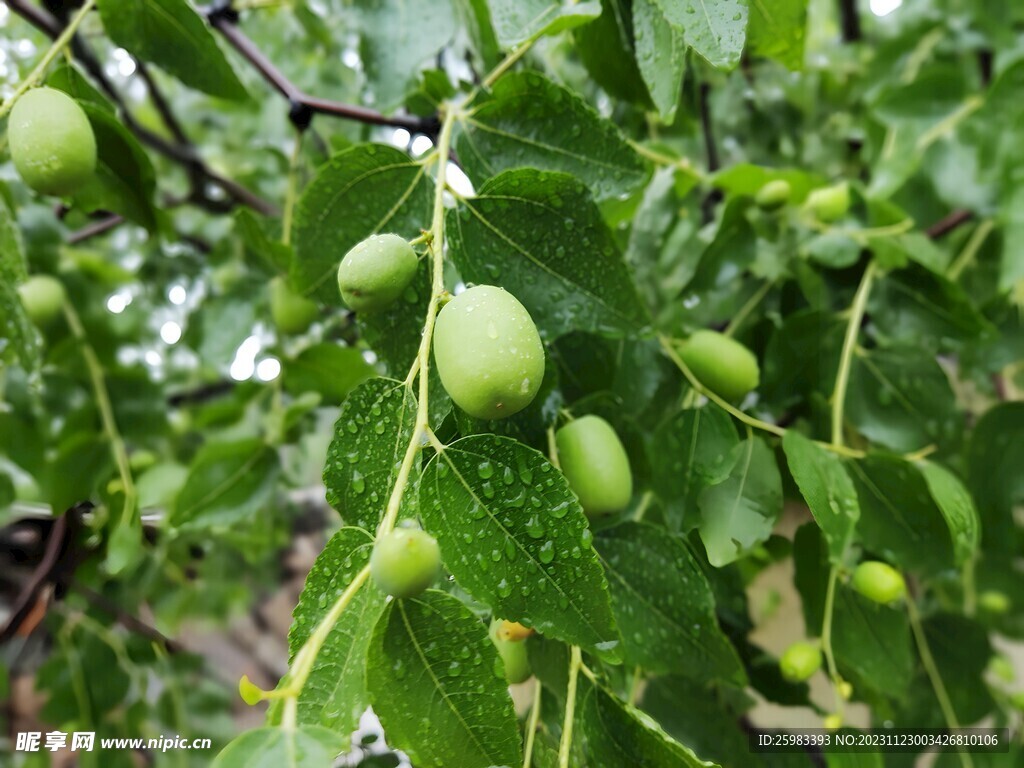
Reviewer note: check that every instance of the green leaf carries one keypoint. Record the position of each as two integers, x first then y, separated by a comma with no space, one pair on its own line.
438,685
739,513
899,520
281,748
326,368
518,20
227,483
578,281
335,695
693,451
872,643
18,337
68,78
956,506
397,38
82,463
778,29
254,233
529,121
367,189
370,438
900,397
827,488
664,605
660,56
606,48
994,461
617,734
515,537
170,34
715,29
124,180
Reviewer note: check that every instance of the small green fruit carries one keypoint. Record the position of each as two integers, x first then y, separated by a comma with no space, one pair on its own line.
52,143
375,272
721,363
292,312
43,298
513,655
829,204
879,581
405,562
488,352
800,661
773,195
595,463
994,602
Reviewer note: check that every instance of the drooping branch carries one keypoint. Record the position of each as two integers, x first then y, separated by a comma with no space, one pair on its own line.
303,106
946,225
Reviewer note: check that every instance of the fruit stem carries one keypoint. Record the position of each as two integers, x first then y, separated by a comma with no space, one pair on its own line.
531,726
58,45
553,448
747,308
302,666
826,638
928,661
565,745
422,362
129,514
860,301
506,64
292,191
679,163
970,251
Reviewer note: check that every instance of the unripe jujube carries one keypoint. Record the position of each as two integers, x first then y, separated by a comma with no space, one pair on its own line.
595,463
829,204
375,272
489,355
879,581
773,195
800,661
721,363
405,562
513,654
292,312
52,143
43,298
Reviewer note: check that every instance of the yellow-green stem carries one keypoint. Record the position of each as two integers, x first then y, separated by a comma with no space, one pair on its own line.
747,308
508,62
679,163
531,725
928,661
826,638
970,251
565,745
860,301
291,193
422,364
304,659
58,45
113,435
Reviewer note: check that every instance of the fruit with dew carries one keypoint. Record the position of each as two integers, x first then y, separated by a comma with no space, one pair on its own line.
52,143
43,298
405,562
375,272
800,661
595,463
829,204
721,363
879,581
489,355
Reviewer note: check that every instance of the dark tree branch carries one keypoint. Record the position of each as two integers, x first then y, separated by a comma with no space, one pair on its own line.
96,228
849,20
946,225
223,20
711,150
200,394
124,618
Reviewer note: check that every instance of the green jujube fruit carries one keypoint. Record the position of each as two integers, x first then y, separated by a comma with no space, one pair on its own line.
513,655
52,143
595,463
829,204
43,298
879,581
405,562
375,272
721,363
773,195
488,353
800,661
292,312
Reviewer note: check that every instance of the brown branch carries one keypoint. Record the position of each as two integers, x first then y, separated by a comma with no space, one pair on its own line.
96,228
947,224
124,618
303,106
849,20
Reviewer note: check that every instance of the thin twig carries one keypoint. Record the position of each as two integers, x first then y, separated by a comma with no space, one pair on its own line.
946,225
133,623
